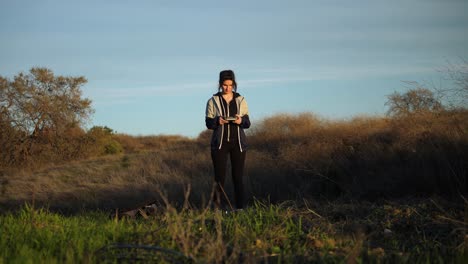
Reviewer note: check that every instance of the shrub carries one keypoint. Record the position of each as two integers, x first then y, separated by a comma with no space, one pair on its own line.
103,142
113,147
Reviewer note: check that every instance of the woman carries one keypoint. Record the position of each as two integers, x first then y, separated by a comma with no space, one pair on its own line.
227,115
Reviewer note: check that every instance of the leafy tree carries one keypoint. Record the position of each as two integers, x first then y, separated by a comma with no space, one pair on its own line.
417,100
40,108
40,101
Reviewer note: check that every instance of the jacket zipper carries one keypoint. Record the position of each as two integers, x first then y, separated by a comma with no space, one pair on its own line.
228,127
222,127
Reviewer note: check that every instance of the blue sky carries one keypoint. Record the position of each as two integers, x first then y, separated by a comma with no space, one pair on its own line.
152,65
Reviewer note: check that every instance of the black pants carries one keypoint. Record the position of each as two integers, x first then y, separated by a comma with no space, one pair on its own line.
220,157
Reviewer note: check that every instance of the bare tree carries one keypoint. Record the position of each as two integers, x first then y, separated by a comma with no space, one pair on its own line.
455,95
431,97
416,100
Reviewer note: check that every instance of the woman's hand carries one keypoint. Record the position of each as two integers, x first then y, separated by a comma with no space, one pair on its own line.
238,119
222,121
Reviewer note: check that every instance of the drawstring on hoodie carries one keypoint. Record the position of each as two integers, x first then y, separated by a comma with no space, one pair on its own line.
225,112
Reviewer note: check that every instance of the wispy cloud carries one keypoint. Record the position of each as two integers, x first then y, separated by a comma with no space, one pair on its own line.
333,73
124,95
266,76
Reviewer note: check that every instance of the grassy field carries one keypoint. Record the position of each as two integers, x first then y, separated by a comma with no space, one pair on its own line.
366,190
416,231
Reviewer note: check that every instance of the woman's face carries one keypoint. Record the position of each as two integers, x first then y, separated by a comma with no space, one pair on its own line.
227,87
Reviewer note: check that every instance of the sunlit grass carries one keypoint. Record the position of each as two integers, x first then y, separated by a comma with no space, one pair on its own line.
285,233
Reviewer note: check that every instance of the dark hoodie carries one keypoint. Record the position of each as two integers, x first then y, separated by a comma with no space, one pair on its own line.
217,107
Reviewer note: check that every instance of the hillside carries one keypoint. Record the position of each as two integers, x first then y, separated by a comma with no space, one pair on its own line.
290,158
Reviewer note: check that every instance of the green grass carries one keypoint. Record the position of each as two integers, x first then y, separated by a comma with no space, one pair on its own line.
328,232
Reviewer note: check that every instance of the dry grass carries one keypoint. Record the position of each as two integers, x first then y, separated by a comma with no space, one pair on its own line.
366,157
291,157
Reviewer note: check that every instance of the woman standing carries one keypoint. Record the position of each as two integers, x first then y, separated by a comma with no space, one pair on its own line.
227,114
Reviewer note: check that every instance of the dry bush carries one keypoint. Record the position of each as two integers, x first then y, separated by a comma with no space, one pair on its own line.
44,148
296,149
204,138
433,148
270,133
129,143
363,157
161,141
